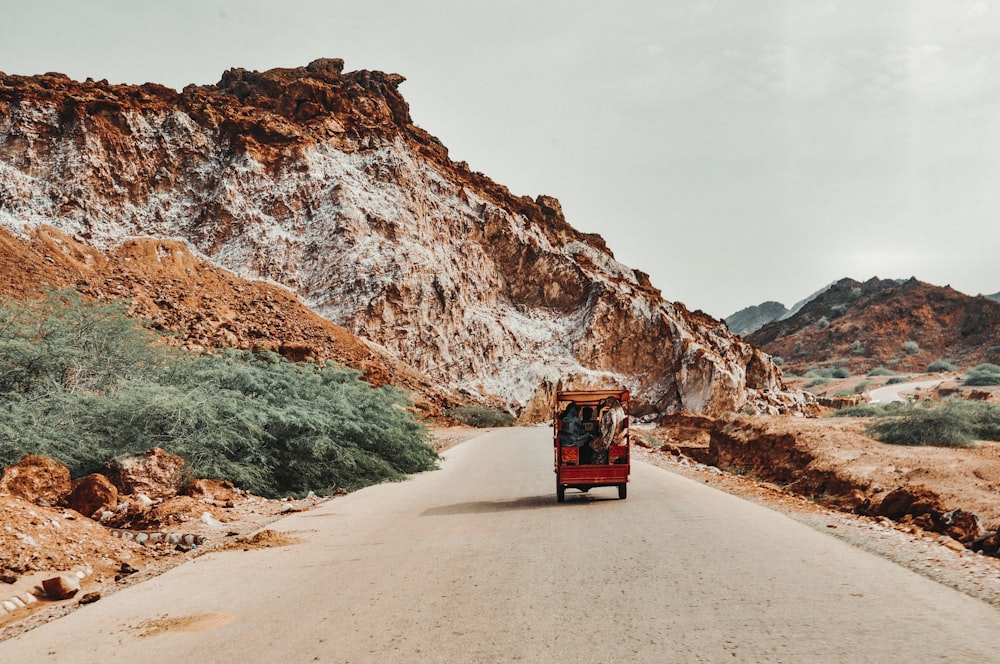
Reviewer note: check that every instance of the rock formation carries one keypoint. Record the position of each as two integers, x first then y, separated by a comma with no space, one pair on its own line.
318,180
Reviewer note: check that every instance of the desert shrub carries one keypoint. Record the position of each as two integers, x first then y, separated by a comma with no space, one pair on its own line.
881,371
269,425
60,341
861,387
778,360
798,350
843,393
896,380
870,410
983,374
952,424
857,348
840,372
480,416
941,365
819,372
911,347
822,323
817,381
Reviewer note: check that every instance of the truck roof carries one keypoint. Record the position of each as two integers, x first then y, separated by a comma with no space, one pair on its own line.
590,397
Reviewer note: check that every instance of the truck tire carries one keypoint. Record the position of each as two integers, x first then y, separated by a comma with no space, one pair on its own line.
622,491
560,493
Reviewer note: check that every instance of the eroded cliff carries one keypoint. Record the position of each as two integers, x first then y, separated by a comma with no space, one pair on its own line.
318,180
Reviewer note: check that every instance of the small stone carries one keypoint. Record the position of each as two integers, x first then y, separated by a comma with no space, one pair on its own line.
90,598
9,606
952,544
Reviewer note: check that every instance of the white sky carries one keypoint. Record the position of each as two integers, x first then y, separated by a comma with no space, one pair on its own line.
738,151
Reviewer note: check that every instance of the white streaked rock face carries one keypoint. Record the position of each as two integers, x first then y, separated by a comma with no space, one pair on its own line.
487,293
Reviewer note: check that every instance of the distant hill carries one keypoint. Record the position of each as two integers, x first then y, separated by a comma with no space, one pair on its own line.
995,296
901,325
751,319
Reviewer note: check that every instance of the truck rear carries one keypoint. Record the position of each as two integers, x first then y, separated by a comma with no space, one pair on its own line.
591,440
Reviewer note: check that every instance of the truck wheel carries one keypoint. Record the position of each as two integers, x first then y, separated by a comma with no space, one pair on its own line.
622,491
560,493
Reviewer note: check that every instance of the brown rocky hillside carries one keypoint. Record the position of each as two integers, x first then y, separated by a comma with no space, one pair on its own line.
318,180
196,304
901,325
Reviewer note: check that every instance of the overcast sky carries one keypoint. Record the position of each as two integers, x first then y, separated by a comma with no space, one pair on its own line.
738,151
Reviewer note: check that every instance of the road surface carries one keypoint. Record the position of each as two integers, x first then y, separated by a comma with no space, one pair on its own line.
891,393
477,562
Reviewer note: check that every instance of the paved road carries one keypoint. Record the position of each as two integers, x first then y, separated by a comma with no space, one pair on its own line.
891,393
478,563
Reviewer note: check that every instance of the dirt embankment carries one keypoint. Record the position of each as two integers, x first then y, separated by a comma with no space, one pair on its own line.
940,490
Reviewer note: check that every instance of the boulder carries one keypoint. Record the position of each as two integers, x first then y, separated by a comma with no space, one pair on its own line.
922,507
962,526
92,494
155,473
63,586
37,479
213,490
989,544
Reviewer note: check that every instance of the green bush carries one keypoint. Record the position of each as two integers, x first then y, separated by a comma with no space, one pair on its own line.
870,410
817,381
481,416
941,365
983,374
881,371
98,388
952,424
857,348
896,380
911,347
841,372
822,323
59,341
778,360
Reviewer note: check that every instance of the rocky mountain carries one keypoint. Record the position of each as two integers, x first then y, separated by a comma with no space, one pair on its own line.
751,319
902,325
318,181
995,296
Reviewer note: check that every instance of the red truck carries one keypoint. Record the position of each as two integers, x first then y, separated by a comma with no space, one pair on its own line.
591,440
